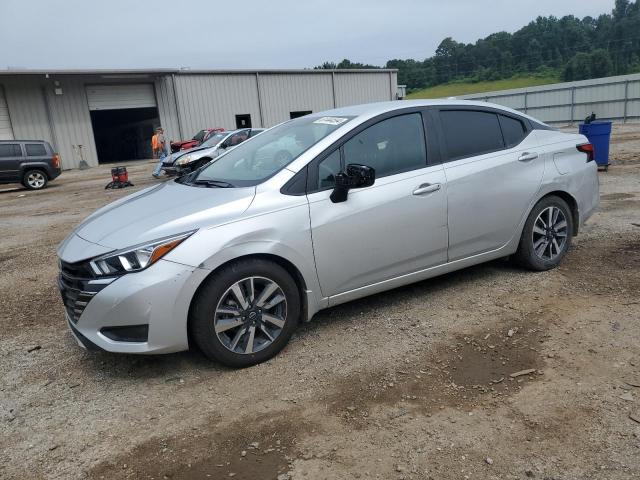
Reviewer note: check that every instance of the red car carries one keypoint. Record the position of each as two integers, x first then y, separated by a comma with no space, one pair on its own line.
197,139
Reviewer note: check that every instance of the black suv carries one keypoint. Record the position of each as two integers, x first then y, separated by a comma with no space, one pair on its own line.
30,162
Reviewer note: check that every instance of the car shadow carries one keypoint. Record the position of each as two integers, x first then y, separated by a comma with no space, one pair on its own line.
12,190
182,366
351,311
25,190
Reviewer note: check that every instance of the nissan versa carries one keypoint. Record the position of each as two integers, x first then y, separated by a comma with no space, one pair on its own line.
234,255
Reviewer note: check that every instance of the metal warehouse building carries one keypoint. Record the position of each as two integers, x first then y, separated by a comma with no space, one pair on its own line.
105,116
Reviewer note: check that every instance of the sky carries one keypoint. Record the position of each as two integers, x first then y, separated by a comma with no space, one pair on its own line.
202,34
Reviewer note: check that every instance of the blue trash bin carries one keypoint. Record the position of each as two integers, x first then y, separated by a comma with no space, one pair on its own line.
599,135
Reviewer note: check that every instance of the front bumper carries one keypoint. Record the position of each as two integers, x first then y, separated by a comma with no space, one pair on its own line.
170,169
159,297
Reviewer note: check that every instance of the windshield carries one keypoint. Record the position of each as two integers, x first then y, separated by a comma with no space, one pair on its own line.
255,160
199,136
214,139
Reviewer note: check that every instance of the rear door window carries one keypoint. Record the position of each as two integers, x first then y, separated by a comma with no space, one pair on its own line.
10,150
35,150
513,130
469,133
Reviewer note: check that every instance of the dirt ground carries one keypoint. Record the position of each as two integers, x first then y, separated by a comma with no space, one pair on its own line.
416,383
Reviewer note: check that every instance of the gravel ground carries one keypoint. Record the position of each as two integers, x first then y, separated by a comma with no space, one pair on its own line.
415,383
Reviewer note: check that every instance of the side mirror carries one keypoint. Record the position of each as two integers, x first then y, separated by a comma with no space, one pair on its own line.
354,176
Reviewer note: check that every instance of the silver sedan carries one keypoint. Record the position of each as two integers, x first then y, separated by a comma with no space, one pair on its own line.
318,211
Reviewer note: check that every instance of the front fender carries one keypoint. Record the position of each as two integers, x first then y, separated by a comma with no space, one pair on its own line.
257,235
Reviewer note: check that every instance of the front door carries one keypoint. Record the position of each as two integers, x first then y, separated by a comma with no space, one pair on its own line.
395,227
494,171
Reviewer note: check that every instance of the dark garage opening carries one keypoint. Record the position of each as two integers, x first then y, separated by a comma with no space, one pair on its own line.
124,134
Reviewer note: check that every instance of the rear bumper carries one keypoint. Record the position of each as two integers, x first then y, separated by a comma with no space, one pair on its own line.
54,173
589,193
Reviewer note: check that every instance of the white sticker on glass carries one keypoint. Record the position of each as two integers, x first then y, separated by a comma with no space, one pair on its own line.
331,120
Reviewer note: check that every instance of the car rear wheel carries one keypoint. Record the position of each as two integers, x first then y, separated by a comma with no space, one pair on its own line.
546,236
34,179
245,313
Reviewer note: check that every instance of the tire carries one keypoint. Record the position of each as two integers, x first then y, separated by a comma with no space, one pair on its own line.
217,317
35,179
543,248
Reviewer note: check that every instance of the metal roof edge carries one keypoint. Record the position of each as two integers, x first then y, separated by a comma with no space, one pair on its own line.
183,71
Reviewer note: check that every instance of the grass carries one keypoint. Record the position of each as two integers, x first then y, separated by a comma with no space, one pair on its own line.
455,89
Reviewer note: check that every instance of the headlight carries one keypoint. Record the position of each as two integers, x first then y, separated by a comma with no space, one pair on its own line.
135,258
184,160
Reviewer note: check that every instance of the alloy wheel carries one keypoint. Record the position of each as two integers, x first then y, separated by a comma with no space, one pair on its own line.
250,315
549,233
36,180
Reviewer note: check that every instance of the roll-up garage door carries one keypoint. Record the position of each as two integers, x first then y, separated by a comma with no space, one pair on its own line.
116,97
6,132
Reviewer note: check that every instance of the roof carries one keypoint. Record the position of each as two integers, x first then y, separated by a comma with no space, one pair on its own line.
373,109
182,71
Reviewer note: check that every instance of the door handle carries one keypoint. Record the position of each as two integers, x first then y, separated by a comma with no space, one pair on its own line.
527,156
426,188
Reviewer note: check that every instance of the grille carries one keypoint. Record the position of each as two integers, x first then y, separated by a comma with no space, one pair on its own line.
77,292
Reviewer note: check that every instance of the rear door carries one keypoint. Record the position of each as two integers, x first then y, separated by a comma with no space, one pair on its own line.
395,227
10,159
494,170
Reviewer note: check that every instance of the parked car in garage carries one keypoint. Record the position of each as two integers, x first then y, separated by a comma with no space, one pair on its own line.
233,256
186,161
30,162
197,139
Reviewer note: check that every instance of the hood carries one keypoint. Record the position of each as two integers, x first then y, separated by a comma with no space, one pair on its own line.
167,209
176,155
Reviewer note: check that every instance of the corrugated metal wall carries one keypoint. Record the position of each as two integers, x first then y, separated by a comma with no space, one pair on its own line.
282,94
167,107
187,102
613,98
6,131
71,121
355,88
213,100
27,108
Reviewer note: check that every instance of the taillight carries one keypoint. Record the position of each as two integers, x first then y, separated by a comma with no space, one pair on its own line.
588,149
55,160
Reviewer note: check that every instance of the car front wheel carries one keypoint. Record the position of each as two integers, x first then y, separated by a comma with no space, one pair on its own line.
547,235
245,313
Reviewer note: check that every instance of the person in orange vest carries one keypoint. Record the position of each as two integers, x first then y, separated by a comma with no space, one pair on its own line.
159,149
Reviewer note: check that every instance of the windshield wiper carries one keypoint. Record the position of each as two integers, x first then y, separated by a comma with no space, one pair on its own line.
213,183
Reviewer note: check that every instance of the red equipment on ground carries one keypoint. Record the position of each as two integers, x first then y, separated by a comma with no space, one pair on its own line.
119,178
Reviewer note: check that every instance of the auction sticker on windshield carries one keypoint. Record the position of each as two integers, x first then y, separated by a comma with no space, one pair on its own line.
331,120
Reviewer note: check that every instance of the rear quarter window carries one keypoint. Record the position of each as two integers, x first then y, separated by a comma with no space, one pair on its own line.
513,130
35,150
469,133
